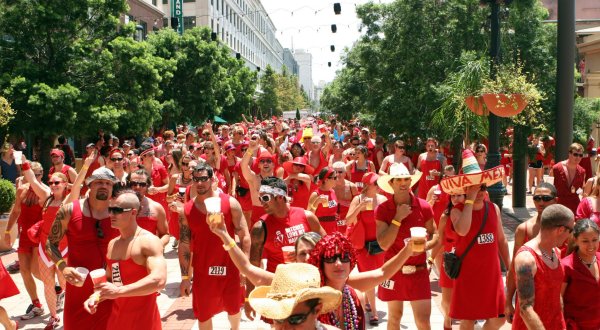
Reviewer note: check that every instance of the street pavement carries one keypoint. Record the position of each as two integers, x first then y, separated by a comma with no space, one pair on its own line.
176,312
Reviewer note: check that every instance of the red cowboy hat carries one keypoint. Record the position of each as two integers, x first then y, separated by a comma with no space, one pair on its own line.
287,166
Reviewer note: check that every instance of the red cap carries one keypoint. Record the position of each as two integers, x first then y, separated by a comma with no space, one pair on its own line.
57,152
369,178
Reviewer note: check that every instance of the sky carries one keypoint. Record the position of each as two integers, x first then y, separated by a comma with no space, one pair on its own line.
306,25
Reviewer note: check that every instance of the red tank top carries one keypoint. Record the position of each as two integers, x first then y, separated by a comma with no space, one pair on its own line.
48,217
139,312
322,161
298,191
148,223
357,174
87,250
282,232
31,211
548,283
367,218
440,205
328,215
427,181
64,170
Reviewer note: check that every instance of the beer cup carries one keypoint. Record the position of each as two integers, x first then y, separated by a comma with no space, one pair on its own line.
289,254
419,238
213,208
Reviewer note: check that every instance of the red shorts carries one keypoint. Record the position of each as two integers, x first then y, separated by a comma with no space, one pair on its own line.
406,287
25,244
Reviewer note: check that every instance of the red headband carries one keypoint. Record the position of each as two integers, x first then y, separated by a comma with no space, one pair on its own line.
330,171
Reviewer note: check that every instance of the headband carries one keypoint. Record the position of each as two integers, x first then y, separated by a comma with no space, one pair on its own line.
272,190
147,151
330,171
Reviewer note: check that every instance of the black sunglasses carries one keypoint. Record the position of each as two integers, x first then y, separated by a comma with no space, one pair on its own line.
265,198
54,183
577,154
116,159
296,319
343,258
118,210
185,164
545,198
200,178
141,184
99,231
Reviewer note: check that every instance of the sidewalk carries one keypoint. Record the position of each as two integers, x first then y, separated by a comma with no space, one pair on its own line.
177,312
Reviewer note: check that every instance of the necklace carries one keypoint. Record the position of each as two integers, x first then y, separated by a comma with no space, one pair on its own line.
549,257
585,263
349,313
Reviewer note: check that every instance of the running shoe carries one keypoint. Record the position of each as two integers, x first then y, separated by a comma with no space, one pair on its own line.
14,267
60,301
53,323
32,311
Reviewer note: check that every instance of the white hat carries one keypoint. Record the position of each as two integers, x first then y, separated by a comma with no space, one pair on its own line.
397,170
101,173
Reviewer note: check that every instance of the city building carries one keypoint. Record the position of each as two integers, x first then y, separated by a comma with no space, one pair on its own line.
304,60
289,61
243,25
587,12
318,92
589,64
147,16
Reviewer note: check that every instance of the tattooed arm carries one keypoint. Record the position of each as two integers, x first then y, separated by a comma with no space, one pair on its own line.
526,269
185,255
57,232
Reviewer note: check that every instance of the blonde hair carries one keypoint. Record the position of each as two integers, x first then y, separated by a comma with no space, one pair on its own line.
36,166
60,176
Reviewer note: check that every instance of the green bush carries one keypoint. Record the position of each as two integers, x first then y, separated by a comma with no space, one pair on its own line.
7,195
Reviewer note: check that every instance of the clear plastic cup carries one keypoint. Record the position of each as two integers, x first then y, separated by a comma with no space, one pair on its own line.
213,208
370,202
419,238
182,191
289,254
18,157
98,276
84,273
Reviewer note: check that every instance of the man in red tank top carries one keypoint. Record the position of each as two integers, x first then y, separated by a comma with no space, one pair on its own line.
431,166
540,274
87,226
57,157
152,215
216,286
281,226
136,269
569,178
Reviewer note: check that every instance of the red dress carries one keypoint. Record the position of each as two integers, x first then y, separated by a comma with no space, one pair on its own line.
567,194
31,213
246,200
581,303
426,181
479,295
48,217
7,286
299,192
216,286
322,161
282,232
547,305
132,312
357,174
448,244
440,205
365,260
585,210
158,175
406,287
87,250
328,215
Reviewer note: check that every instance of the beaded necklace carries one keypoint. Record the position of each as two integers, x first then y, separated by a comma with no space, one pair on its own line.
348,310
585,263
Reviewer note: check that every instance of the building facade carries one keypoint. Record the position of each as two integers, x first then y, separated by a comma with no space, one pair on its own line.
586,12
304,60
147,16
289,61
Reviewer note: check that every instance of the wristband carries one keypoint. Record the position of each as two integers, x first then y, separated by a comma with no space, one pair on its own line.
249,153
25,166
229,246
61,261
185,277
430,260
396,222
7,231
84,167
468,201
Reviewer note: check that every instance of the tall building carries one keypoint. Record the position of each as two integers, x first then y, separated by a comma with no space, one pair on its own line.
304,60
289,61
243,25
319,91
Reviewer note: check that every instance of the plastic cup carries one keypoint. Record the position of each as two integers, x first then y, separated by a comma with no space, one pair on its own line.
419,238
182,191
437,192
213,204
289,254
98,276
84,273
370,204
325,203
18,155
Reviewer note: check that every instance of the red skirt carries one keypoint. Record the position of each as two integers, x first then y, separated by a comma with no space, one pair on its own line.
7,286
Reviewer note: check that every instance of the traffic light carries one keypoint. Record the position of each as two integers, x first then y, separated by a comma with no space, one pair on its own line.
332,47
213,36
337,8
329,64
238,56
333,28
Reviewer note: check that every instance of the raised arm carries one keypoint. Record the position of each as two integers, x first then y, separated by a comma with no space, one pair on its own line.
463,224
247,172
40,189
77,184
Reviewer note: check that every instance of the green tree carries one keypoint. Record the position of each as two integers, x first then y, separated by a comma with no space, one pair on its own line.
268,100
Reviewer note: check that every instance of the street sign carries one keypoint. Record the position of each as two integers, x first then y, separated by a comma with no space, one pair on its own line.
177,12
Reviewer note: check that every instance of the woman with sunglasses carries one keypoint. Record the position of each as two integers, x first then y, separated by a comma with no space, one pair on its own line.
178,189
337,153
117,163
359,166
212,156
345,190
589,207
481,155
581,284
536,157
323,201
54,196
399,156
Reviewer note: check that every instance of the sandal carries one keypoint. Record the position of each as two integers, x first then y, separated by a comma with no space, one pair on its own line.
374,320
368,308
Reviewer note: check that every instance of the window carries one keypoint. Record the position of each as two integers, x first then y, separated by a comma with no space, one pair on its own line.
165,2
189,22
189,0
154,2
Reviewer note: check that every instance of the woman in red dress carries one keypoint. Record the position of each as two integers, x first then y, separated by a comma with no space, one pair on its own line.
298,178
399,156
359,166
323,201
7,289
581,287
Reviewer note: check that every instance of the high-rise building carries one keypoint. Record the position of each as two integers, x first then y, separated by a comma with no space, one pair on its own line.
304,60
289,61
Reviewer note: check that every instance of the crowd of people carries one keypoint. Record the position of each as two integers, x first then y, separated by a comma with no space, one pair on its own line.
316,200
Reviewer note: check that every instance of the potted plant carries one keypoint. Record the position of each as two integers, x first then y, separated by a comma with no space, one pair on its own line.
7,199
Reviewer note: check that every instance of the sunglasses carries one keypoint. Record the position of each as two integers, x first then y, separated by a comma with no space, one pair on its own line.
480,151
296,319
576,154
116,159
118,210
265,198
333,177
344,258
200,178
185,164
401,147
38,174
209,148
130,154
340,172
141,184
99,231
54,183
352,154
265,161
355,144
545,198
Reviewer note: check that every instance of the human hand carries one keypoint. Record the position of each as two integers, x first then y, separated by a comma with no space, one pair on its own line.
7,239
90,158
107,290
91,304
72,276
249,311
253,144
471,192
402,211
509,311
152,190
185,288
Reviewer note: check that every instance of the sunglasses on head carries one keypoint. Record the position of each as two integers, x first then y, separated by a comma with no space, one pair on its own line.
141,184
200,178
296,319
545,198
343,258
576,154
99,231
116,159
118,210
265,198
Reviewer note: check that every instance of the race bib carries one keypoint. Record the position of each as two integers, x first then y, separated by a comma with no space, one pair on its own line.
485,238
332,204
359,184
389,284
116,274
341,223
217,270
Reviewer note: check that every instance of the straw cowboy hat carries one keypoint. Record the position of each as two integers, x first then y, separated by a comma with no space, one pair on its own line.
397,170
292,284
287,166
471,175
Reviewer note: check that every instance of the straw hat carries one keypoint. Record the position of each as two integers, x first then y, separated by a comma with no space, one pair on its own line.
471,175
397,171
292,284
287,166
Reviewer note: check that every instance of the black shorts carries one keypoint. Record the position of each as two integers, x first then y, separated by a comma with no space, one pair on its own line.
536,164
